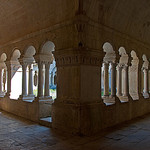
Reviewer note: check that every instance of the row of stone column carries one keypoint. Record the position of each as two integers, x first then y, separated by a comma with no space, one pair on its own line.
122,80
29,94
122,85
106,79
40,79
41,88
24,80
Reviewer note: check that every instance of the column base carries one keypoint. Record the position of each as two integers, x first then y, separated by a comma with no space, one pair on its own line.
123,98
7,95
47,97
27,97
43,98
135,96
146,95
108,100
2,94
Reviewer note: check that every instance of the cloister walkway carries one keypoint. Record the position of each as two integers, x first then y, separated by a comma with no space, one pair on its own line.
20,134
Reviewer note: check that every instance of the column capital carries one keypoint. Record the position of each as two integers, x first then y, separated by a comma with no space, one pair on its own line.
43,58
145,70
30,66
8,64
24,64
119,67
113,64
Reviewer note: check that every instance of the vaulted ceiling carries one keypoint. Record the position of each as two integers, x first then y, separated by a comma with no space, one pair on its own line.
21,17
131,17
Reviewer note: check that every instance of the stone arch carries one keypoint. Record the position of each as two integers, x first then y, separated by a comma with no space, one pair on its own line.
14,60
124,56
3,58
29,53
15,55
145,62
28,66
110,55
47,48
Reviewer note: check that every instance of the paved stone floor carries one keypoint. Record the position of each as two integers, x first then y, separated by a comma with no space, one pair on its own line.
19,134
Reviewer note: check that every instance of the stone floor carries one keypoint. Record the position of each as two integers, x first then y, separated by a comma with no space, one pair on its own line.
19,134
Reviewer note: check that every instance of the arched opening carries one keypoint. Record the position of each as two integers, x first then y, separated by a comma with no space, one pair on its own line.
16,75
28,66
47,80
48,48
49,68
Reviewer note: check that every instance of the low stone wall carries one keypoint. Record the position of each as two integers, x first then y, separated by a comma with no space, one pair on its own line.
29,110
89,119
45,108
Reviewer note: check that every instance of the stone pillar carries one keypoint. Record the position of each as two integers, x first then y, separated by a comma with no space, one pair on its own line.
46,92
119,71
8,64
40,79
78,79
4,80
78,91
1,81
30,81
113,79
125,81
24,79
145,81
106,79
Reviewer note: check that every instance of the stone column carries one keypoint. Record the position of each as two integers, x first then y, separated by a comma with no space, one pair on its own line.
106,79
4,80
24,79
113,79
125,81
1,81
119,71
30,81
40,79
145,81
46,92
8,64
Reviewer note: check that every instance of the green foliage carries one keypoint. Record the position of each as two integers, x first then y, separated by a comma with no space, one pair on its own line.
52,92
